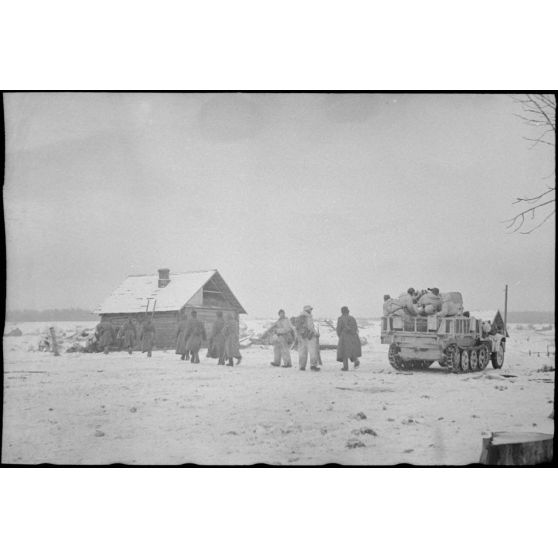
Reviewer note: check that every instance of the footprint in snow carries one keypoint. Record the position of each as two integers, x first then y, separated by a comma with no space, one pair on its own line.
368,431
352,444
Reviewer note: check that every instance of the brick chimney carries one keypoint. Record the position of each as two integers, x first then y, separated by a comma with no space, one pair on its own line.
164,278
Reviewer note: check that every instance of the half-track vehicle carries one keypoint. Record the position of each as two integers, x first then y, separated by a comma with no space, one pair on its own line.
460,343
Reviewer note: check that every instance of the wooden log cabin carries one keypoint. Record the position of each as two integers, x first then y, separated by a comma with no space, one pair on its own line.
166,296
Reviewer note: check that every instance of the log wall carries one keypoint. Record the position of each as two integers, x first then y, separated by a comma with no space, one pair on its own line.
166,323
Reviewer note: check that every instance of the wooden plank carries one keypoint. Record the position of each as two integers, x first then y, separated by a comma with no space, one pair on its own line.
517,448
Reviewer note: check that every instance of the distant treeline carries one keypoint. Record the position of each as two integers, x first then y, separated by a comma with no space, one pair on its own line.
62,315
531,317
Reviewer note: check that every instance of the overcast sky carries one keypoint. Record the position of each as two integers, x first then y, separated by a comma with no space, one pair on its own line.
317,199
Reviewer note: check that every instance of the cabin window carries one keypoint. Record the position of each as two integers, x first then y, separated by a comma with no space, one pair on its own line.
214,298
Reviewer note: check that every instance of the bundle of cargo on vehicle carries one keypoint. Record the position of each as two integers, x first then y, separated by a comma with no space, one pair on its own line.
428,304
452,304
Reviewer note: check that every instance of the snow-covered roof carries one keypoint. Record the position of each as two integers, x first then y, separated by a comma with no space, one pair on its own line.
132,295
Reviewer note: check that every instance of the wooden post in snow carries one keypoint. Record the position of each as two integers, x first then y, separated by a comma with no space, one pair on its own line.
54,343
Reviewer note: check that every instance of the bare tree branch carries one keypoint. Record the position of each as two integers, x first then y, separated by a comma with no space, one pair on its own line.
538,111
537,140
516,222
540,224
535,198
544,113
549,102
542,204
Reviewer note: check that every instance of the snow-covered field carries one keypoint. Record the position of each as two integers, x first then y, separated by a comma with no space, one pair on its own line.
82,408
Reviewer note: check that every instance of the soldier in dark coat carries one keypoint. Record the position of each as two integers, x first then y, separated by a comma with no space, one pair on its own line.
128,335
105,332
181,338
217,340
147,336
195,335
232,342
349,347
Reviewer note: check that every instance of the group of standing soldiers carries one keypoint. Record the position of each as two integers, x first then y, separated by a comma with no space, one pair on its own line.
301,332
224,342
106,334
304,334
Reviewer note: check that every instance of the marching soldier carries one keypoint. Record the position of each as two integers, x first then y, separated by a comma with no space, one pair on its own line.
217,340
283,336
128,335
195,334
232,343
349,346
181,337
105,332
307,338
147,336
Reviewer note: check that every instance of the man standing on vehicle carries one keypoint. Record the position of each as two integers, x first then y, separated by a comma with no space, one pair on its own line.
308,339
387,305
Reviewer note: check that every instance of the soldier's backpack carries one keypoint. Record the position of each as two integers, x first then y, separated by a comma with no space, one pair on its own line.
301,328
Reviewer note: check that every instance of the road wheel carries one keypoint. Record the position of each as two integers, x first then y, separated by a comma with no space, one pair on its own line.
482,356
498,357
465,361
394,359
453,359
474,360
